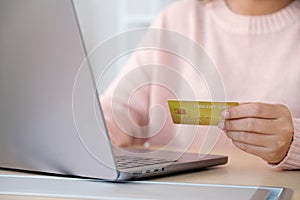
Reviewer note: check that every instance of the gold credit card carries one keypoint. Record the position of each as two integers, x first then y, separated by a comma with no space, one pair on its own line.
198,112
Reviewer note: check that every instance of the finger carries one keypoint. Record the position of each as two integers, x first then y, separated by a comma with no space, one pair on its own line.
250,138
262,152
252,149
256,125
255,110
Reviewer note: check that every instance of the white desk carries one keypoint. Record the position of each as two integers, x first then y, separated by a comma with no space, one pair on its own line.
242,169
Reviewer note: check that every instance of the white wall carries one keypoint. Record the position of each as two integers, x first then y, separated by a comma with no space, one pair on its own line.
102,19
98,20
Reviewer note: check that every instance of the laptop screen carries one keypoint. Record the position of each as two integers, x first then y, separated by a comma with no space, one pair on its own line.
48,103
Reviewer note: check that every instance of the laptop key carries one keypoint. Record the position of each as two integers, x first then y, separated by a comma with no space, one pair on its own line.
125,162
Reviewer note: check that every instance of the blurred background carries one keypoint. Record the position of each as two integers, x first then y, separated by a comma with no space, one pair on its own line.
103,19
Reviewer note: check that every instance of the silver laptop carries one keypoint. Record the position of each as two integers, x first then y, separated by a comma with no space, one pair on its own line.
46,126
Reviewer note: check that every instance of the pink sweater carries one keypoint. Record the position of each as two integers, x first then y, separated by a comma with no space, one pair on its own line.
257,58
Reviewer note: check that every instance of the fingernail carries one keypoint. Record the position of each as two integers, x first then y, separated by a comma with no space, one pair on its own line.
225,114
221,125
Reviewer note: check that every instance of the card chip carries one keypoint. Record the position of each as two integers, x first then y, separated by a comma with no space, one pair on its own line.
180,111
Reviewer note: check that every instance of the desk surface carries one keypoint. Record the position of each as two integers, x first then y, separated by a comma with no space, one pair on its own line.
242,169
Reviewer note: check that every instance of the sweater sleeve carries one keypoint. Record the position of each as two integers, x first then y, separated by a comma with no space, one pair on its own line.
125,103
292,160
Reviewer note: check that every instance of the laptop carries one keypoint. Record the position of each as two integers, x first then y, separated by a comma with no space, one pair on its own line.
47,119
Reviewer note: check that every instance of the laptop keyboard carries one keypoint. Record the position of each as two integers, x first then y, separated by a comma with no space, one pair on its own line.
125,162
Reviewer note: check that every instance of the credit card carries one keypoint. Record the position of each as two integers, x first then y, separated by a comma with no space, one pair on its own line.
198,112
